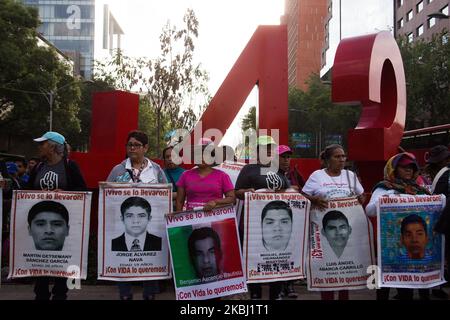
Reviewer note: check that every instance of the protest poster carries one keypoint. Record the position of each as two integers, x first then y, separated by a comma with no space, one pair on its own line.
132,242
232,169
206,255
411,254
275,236
49,234
340,246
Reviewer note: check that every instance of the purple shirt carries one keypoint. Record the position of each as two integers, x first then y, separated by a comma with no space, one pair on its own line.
199,190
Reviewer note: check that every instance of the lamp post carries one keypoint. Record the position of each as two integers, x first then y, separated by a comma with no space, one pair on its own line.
49,96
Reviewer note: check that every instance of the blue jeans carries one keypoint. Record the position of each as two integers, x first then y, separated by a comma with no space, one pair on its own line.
126,293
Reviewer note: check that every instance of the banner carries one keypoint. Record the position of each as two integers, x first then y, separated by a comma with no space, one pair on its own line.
411,254
132,242
275,236
340,247
206,255
232,169
49,234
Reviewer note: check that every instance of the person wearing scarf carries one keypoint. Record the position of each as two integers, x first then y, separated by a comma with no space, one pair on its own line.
400,177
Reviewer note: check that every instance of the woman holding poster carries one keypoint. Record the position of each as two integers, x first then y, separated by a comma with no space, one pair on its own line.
137,168
400,174
332,182
55,172
204,186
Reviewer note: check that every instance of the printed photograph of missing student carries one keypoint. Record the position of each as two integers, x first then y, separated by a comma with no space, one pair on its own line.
276,225
337,231
136,216
205,252
48,225
408,243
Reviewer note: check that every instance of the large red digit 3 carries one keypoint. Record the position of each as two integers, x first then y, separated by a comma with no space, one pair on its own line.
369,70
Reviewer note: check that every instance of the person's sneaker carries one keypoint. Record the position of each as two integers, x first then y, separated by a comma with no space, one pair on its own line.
149,297
440,294
290,292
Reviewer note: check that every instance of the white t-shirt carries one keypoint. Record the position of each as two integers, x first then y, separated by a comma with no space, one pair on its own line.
328,187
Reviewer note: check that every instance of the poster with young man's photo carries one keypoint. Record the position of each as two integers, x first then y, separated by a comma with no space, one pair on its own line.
340,247
411,253
206,254
275,236
49,234
132,243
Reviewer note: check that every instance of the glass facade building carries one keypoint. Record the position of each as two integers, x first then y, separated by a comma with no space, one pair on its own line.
70,26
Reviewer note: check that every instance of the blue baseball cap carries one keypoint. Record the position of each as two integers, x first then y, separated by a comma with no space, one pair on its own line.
53,136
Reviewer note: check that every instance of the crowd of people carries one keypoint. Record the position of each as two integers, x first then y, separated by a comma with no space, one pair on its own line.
204,186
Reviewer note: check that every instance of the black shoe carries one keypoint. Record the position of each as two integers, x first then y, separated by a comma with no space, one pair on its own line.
149,297
126,297
255,296
440,294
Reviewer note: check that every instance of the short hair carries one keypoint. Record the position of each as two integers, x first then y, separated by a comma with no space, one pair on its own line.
135,202
333,215
139,136
48,206
328,151
200,234
34,159
413,218
276,205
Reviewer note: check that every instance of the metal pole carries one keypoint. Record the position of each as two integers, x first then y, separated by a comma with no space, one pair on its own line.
50,101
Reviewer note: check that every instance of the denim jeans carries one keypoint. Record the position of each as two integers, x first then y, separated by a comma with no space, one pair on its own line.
126,292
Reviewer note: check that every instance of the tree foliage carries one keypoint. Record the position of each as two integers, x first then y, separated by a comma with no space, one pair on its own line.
172,83
311,112
27,71
427,72
249,120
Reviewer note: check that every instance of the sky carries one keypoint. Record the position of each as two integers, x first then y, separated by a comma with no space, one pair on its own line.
225,27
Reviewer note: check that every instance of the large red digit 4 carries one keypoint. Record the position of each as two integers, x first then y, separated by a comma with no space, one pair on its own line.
369,70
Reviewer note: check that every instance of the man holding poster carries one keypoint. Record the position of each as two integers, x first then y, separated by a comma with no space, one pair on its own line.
56,172
206,256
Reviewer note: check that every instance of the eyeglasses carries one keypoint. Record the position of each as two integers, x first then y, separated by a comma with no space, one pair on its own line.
134,145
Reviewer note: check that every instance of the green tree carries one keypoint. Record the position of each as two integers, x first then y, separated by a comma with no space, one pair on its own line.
249,120
170,82
311,112
427,72
27,70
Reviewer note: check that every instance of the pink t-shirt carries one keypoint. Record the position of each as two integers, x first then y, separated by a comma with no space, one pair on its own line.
199,190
